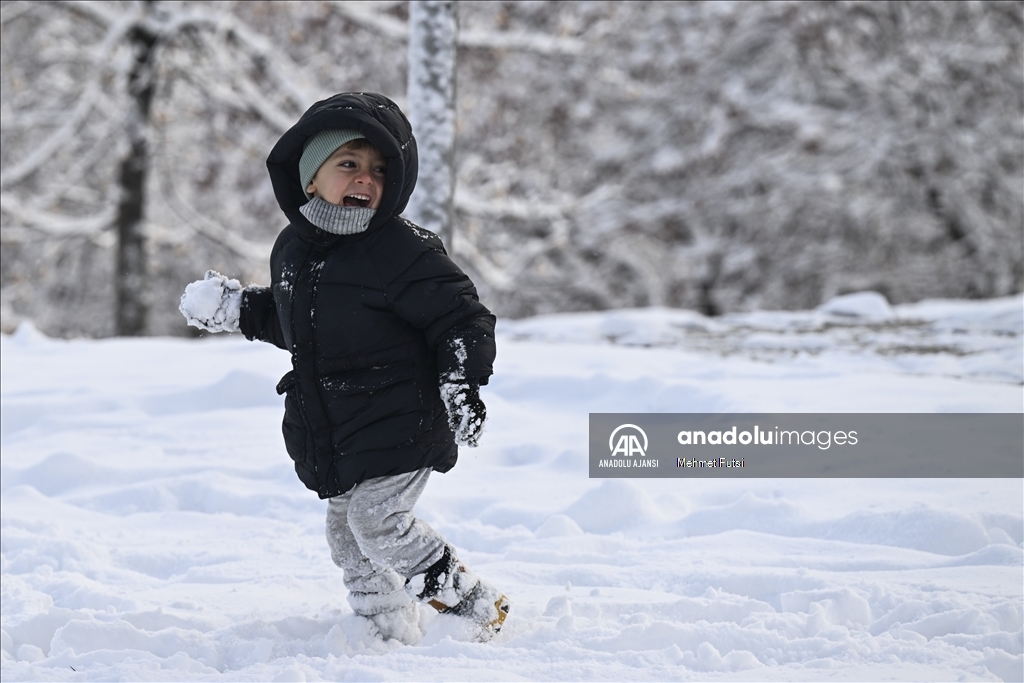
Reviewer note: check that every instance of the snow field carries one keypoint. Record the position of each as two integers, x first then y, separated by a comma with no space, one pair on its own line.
153,529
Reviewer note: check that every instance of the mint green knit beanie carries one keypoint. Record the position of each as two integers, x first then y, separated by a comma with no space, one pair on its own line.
318,148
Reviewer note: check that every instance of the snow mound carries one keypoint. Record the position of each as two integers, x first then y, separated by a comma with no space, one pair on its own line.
62,472
865,305
558,525
27,334
749,512
980,340
921,528
236,390
615,505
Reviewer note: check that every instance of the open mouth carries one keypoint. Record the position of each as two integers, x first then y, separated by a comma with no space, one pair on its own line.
356,200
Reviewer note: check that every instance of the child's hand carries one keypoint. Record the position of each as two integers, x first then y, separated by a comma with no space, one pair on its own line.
212,303
466,412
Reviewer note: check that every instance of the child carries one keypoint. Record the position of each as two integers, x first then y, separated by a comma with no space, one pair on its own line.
389,346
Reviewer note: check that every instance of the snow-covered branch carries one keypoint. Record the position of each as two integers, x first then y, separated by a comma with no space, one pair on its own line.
509,207
54,224
368,15
41,154
526,42
288,77
198,224
12,10
100,54
100,12
229,85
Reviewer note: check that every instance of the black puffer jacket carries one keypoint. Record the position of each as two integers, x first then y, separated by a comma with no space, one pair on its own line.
372,320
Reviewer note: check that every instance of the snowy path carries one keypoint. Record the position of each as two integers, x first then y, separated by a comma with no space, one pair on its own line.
152,527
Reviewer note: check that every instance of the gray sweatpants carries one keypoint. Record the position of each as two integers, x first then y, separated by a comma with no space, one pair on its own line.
378,543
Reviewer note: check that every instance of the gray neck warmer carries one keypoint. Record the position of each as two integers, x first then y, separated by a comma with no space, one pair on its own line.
337,220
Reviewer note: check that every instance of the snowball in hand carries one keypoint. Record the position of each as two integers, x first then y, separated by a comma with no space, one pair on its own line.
212,303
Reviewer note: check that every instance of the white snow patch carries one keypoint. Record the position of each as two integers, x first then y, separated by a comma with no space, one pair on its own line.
153,526
867,305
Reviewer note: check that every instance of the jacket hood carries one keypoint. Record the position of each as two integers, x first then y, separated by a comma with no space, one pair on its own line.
379,120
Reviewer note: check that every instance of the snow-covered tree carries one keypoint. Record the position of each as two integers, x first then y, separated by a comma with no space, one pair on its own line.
726,157
713,156
431,97
143,38
134,143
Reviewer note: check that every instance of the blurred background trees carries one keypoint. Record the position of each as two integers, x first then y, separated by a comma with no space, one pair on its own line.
720,157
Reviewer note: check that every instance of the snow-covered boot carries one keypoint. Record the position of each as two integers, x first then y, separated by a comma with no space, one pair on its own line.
450,588
393,615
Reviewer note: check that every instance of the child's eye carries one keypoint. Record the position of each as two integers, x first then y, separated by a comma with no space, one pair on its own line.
380,169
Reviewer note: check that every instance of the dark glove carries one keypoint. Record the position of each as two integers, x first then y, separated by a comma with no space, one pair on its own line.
466,411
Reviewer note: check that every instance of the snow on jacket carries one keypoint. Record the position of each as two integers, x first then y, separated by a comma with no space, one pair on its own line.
372,320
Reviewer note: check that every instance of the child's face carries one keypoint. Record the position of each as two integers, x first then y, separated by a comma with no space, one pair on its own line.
351,177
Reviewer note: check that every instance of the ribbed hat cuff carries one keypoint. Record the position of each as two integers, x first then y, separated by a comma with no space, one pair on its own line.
318,148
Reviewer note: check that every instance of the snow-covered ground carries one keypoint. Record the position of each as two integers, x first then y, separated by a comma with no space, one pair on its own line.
152,527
